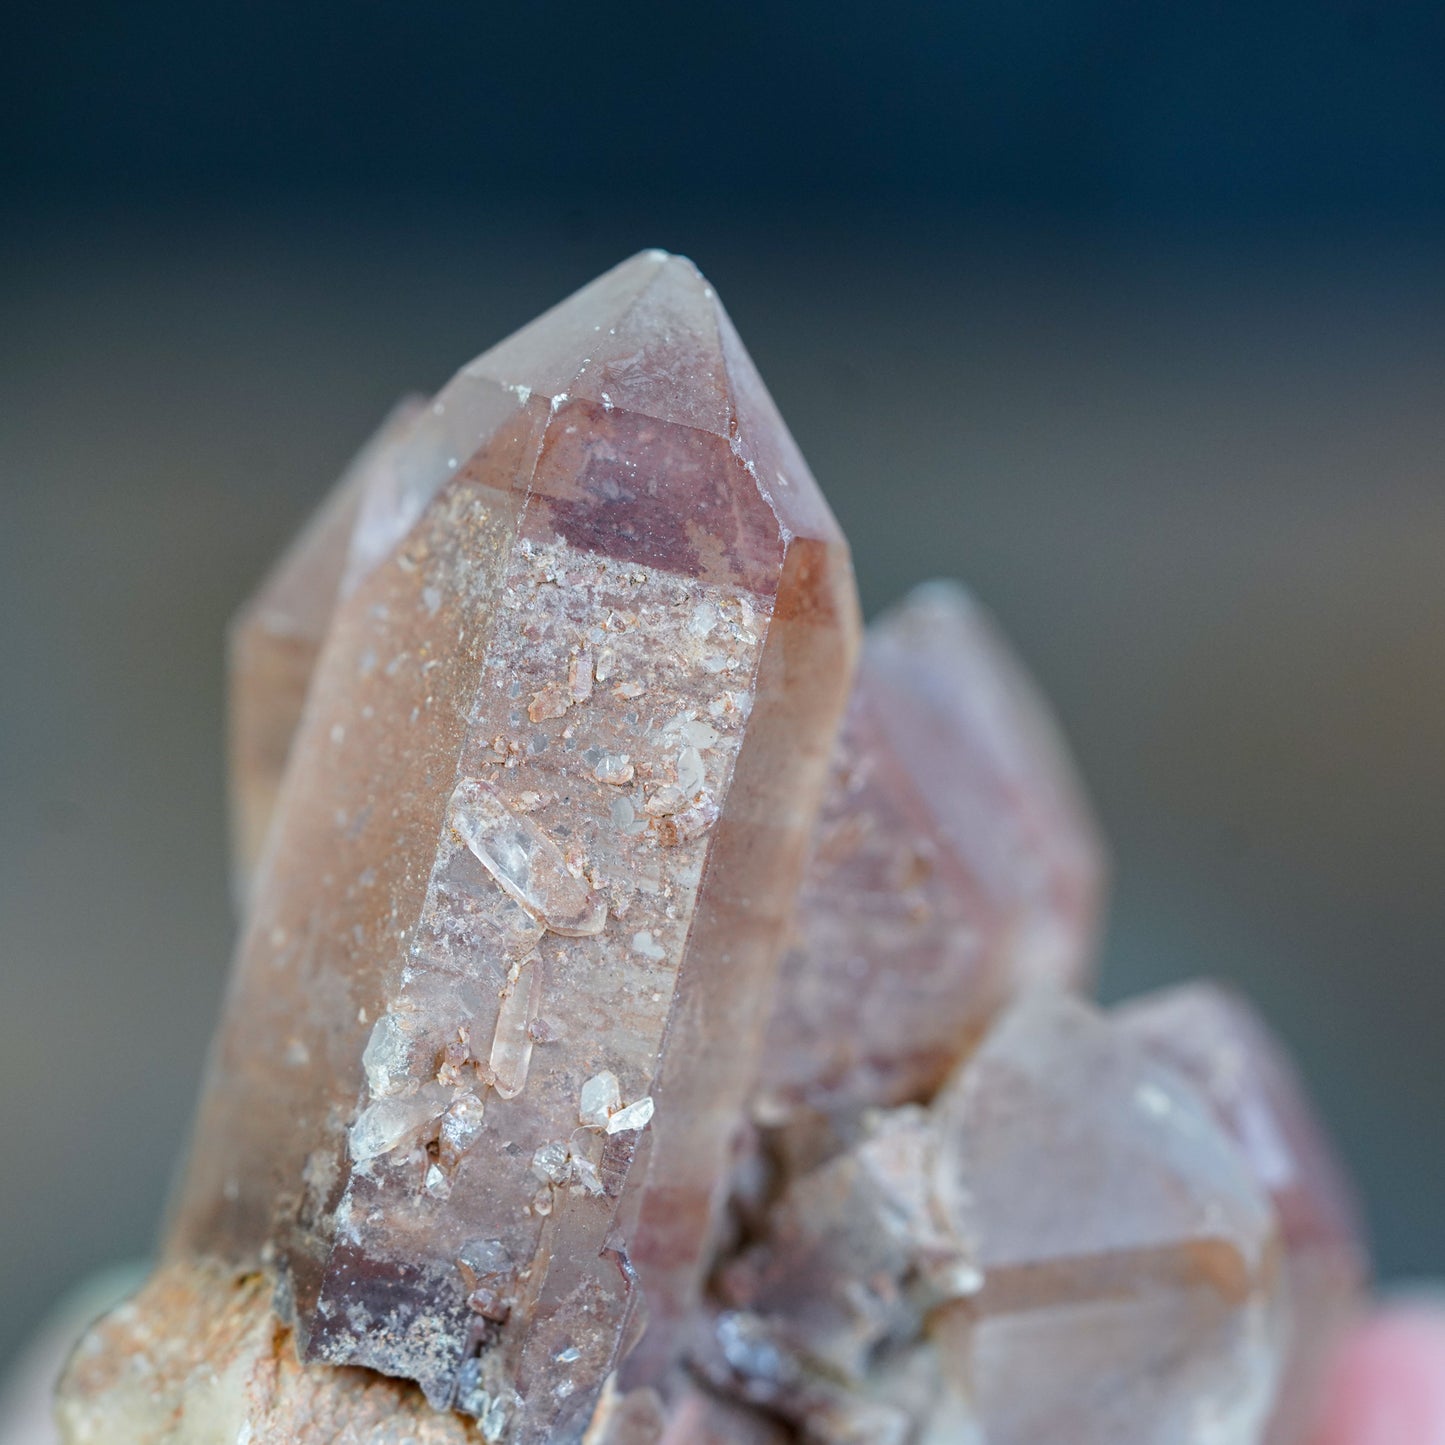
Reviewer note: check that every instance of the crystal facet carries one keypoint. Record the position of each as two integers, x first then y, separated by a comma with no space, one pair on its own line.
1067,1200
1214,1039
955,863
276,637
1119,1234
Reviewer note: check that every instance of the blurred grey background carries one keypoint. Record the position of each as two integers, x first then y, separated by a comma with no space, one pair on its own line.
1134,323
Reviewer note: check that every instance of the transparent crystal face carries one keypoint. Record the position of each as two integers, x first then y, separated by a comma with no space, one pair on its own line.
525,862
955,863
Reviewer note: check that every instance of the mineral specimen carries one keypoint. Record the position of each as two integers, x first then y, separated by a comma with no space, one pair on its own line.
275,640
1066,1199
542,818
515,1130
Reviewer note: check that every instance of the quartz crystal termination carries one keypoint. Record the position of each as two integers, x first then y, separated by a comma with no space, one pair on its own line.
1215,1040
501,988
275,639
956,862
1103,1229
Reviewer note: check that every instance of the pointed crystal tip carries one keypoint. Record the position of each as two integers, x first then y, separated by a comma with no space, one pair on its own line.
646,336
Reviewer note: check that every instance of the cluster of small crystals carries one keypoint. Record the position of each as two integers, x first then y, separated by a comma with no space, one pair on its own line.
541,767
975,1209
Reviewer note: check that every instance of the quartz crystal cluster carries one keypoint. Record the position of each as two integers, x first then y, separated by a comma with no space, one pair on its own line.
659,1021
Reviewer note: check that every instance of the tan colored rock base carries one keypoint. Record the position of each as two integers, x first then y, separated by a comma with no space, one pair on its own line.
198,1355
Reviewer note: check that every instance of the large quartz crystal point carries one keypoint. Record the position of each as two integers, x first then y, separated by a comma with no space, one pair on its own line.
1213,1037
1128,1275
956,862
511,940
275,638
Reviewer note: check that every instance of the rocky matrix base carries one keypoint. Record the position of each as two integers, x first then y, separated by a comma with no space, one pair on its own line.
658,1020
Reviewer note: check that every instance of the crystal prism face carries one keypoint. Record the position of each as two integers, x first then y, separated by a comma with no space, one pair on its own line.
1215,1040
955,863
541,820
275,640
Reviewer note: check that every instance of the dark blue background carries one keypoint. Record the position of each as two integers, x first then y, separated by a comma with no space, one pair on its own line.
1064,113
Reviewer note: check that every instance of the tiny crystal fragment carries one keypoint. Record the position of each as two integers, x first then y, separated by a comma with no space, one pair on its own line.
526,863
386,1124
461,1127
386,1057
512,1042
614,768
634,1116
601,1094
549,1163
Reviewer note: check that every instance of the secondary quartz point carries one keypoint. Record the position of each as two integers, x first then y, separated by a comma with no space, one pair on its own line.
956,861
1213,1038
275,638
1117,1232
597,543
1066,1246
529,732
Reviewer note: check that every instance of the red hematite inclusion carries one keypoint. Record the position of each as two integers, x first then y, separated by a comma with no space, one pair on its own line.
543,816
541,762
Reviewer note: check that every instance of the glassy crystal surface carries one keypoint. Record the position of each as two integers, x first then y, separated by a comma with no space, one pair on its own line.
1118,1234
1220,1044
543,815
955,863
275,639
1066,1246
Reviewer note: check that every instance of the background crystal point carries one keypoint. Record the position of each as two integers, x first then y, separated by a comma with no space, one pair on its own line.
571,591
1214,1038
1065,1245
956,861
276,636
1119,1234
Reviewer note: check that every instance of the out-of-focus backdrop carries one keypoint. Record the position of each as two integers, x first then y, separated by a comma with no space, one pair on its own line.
1131,316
